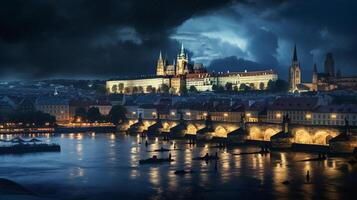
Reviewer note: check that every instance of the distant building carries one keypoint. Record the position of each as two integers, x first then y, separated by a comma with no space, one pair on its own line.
325,81
103,106
56,106
294,73
335,115
299,109
182,74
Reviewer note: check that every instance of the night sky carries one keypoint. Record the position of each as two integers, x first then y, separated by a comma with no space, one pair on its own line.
110,38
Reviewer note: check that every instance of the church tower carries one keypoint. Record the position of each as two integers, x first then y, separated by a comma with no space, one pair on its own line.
160,67
314,78
181,62
295,72
314,74
329,65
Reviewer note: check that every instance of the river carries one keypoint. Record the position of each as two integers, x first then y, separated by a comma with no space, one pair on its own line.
105,166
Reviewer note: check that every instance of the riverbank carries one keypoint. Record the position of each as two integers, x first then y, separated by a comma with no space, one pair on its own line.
59,129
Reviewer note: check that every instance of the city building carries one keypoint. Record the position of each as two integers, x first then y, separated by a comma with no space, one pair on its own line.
182,75
55,106
294,73
299,109
321,81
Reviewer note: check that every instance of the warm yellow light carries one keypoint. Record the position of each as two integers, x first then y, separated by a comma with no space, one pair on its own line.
248,114
225,114
278,115
308,116
333,116
78,119
205,114
153,113
188,113
134,113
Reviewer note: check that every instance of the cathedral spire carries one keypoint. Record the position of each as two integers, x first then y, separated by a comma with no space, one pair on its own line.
182,50
315,68
295,54
160,56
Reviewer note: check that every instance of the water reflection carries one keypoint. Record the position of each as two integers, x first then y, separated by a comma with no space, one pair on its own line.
108,163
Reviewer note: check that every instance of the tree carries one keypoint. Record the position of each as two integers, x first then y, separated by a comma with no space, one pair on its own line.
281,85
80,114
164,88
271,85
36,118
149,89
93,114
218,88
114,88
214,87
172,90
193,89
235,88
121,87
278,86
153,90
229,86
117,114
183,90
127,90
261,86
135,90
141,89
244,87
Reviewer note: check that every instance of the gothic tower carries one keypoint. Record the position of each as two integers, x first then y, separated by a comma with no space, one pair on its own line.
182,62
314,78
314,74
295,72
160,67
329,65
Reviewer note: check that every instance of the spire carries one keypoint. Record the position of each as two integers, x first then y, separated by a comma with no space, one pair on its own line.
160,56
182,50
315,68
295,54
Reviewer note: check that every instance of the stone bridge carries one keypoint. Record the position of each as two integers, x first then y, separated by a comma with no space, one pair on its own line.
303,134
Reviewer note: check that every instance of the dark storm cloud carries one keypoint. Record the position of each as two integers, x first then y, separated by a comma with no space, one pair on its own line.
89,37
266,31
110,38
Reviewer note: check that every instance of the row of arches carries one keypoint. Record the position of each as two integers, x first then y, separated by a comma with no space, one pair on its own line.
301,136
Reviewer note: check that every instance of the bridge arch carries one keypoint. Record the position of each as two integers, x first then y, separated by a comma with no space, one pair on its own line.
220,131
322,137
255,133
191,129
303,137
268,133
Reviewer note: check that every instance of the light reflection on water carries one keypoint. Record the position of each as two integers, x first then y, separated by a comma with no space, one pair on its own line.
99,166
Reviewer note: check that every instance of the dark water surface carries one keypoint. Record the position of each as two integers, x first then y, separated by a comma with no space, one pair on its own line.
105,166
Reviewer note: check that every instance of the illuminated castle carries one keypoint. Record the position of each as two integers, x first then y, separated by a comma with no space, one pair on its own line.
180,66
182,75
323,81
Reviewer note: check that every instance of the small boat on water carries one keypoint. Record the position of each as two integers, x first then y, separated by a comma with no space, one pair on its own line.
208,157
22,146
161,150
155,160
319,158
183,172
262,151
352,161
